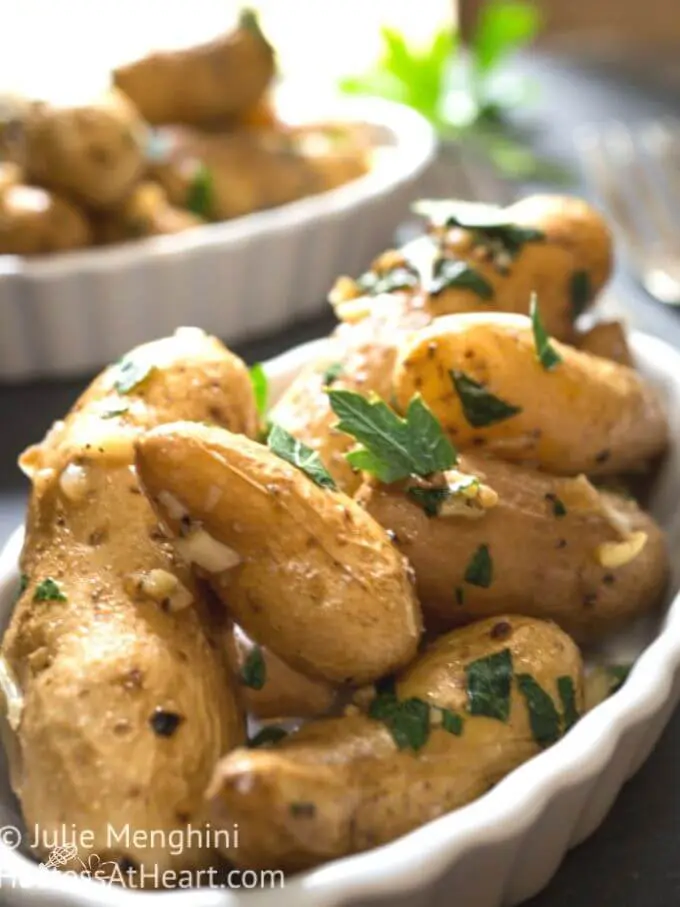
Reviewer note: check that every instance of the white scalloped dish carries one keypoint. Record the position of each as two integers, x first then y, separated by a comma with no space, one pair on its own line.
500,849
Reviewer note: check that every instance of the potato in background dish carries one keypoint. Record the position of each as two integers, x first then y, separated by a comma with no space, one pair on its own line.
35,221
145,212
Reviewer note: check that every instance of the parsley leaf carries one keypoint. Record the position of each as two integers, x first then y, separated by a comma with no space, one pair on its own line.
48,591
332,373
114,413
580,292
546,352
479,572
407,720
253,672
268,735
131,373
448,272
258,379
23,585
567,694
619,675
394,448
488,685
543,716
489,224
431,499
284,445
402,277
200,194
452,722
480,406
558,507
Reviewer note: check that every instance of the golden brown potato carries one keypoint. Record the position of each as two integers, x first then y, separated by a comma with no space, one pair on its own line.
146,212
554,246
342,785
34,222
285,692
584,415
608,340
92,152
118,652
553,548
304,570
207,82
10,175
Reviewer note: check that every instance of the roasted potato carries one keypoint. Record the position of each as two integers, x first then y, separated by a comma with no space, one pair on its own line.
280,692
304,570
207,82
34,221
118,652
608,340
91,152
482,377
553,548
145,212
342,785
554,246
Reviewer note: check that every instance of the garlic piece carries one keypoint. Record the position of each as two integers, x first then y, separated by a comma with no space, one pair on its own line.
74,482
163,587
174,508
616,554
11,692
202,549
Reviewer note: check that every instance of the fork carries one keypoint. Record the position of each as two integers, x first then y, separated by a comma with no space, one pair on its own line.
635,172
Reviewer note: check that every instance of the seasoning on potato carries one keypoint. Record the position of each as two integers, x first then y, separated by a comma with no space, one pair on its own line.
301,567
470,709
126,699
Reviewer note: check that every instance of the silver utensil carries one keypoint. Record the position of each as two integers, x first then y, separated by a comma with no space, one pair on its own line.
634,169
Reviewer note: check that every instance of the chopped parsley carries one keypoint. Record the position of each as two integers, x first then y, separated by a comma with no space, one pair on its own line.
253,672
488,685
479,572
558,507
258,379
48,591
580,292
200,194
567,694
131,373
296,453
407,720
480,406
431,499
619,675
332,373
23,585
545,351
393,448
543,716
449,272
452,722
266,736
402,277
114,413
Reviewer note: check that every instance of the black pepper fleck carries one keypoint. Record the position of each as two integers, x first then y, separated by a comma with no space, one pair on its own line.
164,724
501,630
303,810
609,579
561,543
602,456
589,599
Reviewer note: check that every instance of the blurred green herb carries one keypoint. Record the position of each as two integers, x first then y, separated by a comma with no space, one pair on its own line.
466,92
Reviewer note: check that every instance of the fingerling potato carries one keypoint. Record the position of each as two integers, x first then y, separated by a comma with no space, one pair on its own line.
35,222
339,786
553,548
482,377
608,340
304,570
145,212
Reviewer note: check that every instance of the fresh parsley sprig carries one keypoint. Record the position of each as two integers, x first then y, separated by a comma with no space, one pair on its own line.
308,461
393,448
258,379
480,406
253,672
546,353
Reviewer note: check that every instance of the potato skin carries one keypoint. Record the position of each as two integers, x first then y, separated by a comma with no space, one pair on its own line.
319,582
544,565
608,340
210,81
34,221
91,152
95,668
586,415
145,212
340,785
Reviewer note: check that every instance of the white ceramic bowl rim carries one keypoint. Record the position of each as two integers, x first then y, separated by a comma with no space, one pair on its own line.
424,854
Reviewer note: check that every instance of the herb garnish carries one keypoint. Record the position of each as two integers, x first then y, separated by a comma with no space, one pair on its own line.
291,450
545,351
48,591
558,507
258,379
408,720
200,194
543,716
431,499
452,722
253,672
448,272
393,448
402,277
479,572
113,413
23,584
619,675
269,734
332,373
567,694
488,685
131,373
580,292
480,406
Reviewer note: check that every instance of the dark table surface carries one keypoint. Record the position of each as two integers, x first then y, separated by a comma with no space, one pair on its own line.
634,859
